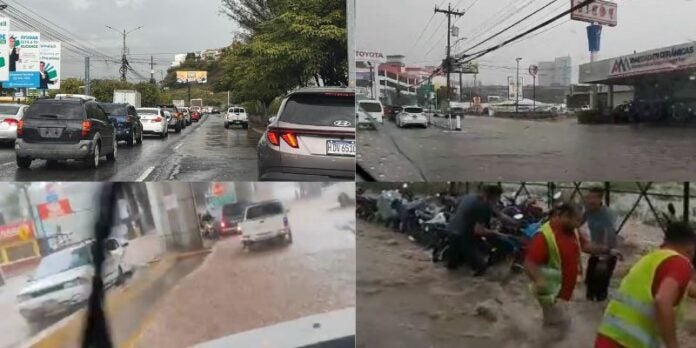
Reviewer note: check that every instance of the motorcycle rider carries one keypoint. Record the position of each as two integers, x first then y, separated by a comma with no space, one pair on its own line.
470,226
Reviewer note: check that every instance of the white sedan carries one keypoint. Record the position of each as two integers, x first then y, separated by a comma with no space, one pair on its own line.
10,115
412,116
155,121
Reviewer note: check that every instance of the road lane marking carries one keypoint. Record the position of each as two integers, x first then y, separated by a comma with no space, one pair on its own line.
145,174
178,146
7,164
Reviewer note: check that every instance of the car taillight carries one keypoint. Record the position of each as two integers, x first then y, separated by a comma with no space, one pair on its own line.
10,121
20,127
291,139
273,138
86,127
157,119
222,224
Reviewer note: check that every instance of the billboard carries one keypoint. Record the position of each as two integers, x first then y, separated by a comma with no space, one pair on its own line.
192,76
515,90
4,51
599,12
24,51
49,65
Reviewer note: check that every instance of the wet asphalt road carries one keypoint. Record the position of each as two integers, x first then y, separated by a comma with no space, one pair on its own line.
493,149
235,290
204,151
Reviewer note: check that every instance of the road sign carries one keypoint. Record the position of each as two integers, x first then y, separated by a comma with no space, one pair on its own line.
598,12
468,68
19,94
217,189
533,70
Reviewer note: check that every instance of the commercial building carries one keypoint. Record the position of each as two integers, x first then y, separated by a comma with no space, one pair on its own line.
663,79
556,73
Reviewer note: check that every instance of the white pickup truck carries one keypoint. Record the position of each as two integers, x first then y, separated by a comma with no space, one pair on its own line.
265,222
236,116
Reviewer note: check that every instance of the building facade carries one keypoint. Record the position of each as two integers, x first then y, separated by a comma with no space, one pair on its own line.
556,73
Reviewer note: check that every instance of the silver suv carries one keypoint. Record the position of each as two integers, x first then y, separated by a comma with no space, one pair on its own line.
312,138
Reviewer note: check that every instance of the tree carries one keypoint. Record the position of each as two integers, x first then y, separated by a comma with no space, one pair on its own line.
103,90
149,93
71,86
251,14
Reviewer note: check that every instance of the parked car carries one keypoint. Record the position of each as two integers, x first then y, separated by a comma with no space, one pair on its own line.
391,111
374,108
65,129
10,115
364,120
312,138
127,122
177,123
265,222
412,116
154,121
232,215
62,282
236,116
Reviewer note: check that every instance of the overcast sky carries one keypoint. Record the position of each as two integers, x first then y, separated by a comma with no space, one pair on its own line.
170,26
393,27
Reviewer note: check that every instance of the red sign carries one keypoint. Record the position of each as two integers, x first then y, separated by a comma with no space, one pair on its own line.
54,210
600,12
217,189
18,232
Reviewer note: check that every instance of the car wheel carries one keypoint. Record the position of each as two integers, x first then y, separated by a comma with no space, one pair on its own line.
227,126
24,162
112,156
96,154
245,126
131,141
177,129
140,138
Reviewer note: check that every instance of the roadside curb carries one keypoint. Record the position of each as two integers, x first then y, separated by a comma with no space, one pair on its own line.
69,330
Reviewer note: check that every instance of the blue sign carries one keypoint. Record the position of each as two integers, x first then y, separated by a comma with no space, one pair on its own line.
23,79
51,197
594,37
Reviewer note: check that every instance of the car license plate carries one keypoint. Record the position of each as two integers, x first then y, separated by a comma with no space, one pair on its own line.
340,148
4,125
51,132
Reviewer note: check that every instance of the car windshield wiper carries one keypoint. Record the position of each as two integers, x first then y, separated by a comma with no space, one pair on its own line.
96,333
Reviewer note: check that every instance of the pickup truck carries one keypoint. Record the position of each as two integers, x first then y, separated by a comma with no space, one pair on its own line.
265,222
236,116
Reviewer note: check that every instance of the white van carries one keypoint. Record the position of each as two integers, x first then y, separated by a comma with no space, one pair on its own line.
265,222
373,108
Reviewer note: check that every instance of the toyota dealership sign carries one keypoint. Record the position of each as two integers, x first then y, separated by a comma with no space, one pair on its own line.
370,56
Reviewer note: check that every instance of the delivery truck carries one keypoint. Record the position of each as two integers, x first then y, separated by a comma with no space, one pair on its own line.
127,97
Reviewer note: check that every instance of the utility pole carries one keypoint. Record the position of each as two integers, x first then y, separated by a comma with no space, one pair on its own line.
152,70
124,59
449,12
88,81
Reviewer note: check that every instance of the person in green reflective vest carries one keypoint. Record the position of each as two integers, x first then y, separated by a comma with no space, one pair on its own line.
643,313
553,265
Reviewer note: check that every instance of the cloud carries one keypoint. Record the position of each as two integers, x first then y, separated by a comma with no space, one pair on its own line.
129,3
81,4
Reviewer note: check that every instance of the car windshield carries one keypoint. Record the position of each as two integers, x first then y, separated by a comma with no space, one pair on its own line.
371,107
172,111
9,109
413,110
115,109
318,109
262,210
63,261
61,110
237,110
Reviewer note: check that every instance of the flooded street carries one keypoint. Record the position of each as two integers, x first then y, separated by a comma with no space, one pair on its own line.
407,301
236,290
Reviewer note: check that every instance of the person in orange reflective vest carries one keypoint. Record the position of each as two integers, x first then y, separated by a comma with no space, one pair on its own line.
553,263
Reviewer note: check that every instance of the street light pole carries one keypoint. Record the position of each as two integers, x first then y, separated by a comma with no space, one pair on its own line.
517,87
